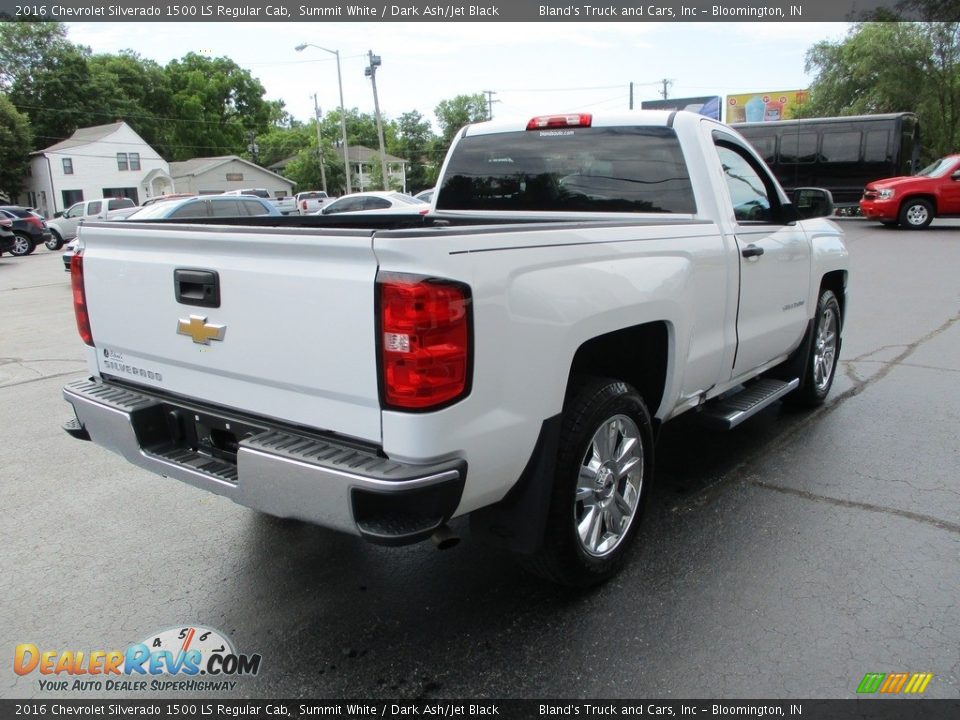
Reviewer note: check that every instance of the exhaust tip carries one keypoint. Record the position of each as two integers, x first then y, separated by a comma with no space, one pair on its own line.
444,538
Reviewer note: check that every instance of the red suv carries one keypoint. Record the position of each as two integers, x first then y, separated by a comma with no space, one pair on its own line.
913,201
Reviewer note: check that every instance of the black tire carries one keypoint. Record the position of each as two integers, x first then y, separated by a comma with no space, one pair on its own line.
55,242
564,556
820,366
22,245
916,214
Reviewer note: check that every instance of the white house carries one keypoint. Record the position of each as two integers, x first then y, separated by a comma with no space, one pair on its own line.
204,176
362,161
94,162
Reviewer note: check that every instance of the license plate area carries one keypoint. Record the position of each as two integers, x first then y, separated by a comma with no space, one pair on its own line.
193,438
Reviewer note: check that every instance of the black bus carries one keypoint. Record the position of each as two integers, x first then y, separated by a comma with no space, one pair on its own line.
841,154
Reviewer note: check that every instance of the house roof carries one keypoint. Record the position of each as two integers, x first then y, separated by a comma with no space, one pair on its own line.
84,136
281,164
198,166
363,154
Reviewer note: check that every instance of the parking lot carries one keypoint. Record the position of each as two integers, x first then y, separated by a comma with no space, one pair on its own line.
784,559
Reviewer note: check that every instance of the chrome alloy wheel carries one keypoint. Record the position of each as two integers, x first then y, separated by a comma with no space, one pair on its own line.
608,485
21,246
825,349
917,214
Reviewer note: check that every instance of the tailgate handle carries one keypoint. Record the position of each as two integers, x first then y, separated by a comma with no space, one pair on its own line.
197,287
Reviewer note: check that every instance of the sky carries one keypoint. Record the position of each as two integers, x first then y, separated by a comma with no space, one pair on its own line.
533,68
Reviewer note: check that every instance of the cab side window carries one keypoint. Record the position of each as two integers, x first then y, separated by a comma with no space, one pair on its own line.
752,192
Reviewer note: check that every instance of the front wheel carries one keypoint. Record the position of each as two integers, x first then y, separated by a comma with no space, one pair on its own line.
916,214
821,363
604,470
22,245
55,242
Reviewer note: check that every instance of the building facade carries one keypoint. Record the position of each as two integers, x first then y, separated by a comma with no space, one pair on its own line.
214,175
101,161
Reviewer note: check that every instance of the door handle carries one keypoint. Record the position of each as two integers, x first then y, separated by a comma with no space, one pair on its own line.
752,250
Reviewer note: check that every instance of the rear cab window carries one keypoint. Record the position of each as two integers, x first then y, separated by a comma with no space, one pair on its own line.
591,169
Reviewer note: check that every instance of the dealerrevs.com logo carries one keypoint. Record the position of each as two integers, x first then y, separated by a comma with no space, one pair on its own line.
177,659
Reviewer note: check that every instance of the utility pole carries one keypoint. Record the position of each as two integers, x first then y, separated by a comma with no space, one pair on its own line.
371,72
490,101
323,170
666,84
631,94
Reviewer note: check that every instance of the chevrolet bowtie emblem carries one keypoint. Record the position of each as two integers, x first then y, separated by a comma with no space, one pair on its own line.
198,330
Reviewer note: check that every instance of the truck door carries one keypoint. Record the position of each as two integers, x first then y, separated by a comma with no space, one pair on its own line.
774,259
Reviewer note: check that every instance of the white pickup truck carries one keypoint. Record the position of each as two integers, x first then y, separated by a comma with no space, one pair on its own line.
581,280
310,202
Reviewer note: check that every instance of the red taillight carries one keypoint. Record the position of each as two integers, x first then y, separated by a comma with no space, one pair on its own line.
35,221
424,341
559,121
80,299
303,204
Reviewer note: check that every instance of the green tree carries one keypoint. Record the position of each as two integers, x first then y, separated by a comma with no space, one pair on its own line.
15,144
452,115
412,142
28,47
218,103
892,67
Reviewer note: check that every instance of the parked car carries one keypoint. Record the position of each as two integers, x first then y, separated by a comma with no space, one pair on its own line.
189,207
426,195
7,237
68,252
383,201
285,204
29,228
913,201
207,206
310,201
64,225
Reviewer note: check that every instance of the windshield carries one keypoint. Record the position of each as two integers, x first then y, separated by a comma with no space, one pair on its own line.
939,168
609,169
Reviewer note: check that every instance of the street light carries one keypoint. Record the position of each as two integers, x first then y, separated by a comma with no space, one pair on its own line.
343,113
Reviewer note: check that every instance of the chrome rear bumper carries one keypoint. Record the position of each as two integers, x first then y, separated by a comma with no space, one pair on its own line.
269,468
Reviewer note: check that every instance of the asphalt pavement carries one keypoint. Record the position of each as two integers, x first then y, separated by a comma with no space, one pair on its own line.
785,559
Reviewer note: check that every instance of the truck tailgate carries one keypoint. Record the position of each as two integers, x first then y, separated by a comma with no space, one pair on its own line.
296,310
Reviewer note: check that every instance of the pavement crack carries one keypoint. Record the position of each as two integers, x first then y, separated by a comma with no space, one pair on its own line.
790,431
39,379
906,364
854,504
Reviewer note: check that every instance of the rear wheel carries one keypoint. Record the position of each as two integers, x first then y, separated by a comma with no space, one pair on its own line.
22,245
916,214
604,469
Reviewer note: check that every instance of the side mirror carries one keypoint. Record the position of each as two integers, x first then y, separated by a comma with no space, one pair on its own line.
813,202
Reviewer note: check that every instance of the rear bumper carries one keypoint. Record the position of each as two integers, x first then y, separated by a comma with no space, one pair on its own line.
269,468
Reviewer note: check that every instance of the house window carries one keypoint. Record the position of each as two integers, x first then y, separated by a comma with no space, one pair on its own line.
122,161
71,197
134,161
68,166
